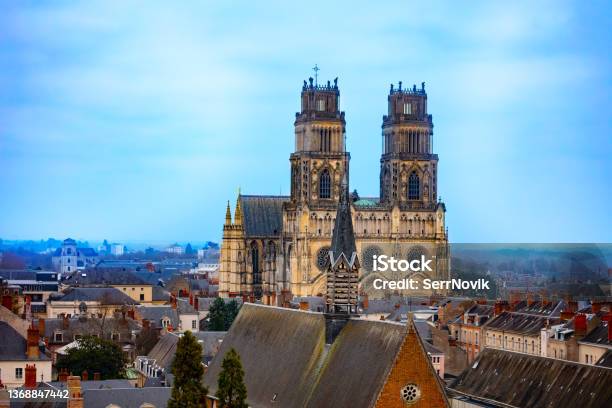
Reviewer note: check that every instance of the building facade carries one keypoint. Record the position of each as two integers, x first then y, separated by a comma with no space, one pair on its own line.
275,247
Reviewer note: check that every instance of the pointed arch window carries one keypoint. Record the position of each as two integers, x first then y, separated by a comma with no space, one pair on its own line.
414,192
255,263
325,185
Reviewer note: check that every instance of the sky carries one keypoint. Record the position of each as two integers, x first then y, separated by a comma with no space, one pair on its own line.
137,121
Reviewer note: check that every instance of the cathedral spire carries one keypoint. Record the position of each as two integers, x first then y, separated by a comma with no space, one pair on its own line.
238,213
343,265
228,214
343,240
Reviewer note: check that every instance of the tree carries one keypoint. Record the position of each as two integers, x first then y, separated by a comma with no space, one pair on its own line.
231,311
231,390
216,315
94,355
187,389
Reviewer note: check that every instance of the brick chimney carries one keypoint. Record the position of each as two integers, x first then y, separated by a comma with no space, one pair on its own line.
500,306
33,351
146,324
41,326
173,301
191,299
30,376
580,324
572,306
303,305
84,375
131,314
75,399
65,322
97,376
196,303
482,301
529,299
366,301
63,375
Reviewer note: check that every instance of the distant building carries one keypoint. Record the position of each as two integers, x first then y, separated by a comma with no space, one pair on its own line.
597,343
70,258
117,249
119,278
175,249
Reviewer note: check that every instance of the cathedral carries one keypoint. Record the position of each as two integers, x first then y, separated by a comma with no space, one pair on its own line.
276,248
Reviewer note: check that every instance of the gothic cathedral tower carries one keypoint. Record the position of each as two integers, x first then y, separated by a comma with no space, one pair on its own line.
320,159
408,166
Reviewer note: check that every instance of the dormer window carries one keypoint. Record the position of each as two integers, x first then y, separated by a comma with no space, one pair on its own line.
321,105
407,108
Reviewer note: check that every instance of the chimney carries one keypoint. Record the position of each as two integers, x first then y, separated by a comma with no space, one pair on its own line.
191,299
41,326
303,305
500,306
529,299
84,375
97,376
173,301
131,314
145,324
572,306
75,399
33,350
366,301
196,303
580,324
30,376
65,322
63,375
609,330
566,315
482,301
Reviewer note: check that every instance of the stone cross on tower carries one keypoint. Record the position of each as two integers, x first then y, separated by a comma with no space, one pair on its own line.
316,70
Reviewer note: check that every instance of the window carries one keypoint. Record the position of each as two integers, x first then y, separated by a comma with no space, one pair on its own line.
407,108
194,324
18,373
255,263
413,187
321,105
68,269
325,185
59,337
142,296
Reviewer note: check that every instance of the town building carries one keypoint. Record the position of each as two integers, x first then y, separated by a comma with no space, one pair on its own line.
70,258
597,343
89,301
499,378
119,278
276,247
22,359
467,329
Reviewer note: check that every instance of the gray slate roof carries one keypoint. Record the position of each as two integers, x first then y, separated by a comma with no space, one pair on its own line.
90,326
283,353
526,324
155,314
599,335
523,380
127,397
262,215
107,296
165,349
104,276
12,345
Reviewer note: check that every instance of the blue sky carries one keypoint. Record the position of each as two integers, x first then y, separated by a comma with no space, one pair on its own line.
138,120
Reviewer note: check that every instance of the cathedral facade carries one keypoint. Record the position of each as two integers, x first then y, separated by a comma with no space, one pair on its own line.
276,247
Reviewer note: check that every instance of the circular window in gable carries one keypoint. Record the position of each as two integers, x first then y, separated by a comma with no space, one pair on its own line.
410,393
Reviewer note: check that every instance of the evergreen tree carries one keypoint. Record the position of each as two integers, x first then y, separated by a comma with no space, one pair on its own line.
187,389
216,315
231,391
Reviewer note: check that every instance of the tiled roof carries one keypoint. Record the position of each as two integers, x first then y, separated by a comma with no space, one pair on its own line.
500,377
599,335
107,296
526,324
262,215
